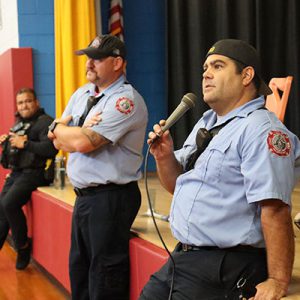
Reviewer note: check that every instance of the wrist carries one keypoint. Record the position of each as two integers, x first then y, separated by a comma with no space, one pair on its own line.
281,282
164,156
53,126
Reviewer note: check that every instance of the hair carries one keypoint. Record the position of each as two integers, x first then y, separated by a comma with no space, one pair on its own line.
240,67
26,90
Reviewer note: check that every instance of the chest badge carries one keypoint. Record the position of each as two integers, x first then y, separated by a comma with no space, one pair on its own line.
279,143
124,105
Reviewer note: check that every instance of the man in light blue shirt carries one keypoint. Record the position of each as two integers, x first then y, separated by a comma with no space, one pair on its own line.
103,126
231,206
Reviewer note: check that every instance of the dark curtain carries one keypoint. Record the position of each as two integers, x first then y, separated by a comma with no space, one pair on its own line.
193,26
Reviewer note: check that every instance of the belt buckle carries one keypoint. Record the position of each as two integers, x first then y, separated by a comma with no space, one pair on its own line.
185,247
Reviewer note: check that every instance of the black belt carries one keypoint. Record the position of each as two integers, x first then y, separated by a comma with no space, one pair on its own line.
101,187
238,248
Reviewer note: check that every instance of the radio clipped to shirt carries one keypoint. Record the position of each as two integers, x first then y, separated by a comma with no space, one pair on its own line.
203,139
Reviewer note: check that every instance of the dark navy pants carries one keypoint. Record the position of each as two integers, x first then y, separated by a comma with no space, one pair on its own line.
16,192
99,255
209,274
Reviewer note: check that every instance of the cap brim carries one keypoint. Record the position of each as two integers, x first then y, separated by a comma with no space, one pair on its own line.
92,53
264,89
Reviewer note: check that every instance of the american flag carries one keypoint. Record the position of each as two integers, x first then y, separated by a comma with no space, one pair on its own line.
116,19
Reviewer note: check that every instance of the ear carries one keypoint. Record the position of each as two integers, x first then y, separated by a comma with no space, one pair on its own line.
118,63
248,74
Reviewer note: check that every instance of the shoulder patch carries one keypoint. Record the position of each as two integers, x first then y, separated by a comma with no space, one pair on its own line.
124,105
279,143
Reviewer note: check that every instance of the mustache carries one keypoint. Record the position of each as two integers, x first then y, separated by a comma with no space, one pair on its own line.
89,70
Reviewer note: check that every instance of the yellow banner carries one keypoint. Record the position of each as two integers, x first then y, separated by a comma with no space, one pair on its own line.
75,28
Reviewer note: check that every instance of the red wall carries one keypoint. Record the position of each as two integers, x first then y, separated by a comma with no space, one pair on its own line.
49,220
145,259
51,233
15,73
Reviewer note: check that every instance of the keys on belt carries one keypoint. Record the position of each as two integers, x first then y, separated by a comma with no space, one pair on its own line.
186,247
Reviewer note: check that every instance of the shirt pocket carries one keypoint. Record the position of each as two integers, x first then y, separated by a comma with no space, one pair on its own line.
212,160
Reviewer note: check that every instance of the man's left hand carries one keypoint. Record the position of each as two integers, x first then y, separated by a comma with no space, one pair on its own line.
271,289
17,141
94,120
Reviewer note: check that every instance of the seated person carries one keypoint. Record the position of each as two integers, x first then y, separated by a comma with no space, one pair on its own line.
25,151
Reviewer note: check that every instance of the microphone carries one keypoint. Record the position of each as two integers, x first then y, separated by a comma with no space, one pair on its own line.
188,101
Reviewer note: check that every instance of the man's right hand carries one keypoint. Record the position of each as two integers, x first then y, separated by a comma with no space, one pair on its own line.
162,143
162,148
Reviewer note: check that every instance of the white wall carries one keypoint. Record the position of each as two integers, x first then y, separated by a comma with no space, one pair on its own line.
9,36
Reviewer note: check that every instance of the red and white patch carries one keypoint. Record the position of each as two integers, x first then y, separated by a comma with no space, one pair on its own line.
279,143
124,105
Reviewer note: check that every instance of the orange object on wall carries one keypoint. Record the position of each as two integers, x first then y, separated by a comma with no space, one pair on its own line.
277,101
15,73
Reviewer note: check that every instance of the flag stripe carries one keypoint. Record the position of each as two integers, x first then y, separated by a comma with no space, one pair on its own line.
115,26
116,9
116,31
116,19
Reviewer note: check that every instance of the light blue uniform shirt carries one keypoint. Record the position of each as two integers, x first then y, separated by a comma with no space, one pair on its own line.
216,203
124,119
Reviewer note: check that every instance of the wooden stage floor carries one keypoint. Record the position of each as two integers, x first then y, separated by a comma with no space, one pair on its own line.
29,284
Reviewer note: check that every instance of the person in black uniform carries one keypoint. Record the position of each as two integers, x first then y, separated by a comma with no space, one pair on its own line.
25,150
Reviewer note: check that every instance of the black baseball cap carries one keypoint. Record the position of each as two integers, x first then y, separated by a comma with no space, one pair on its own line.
104,46
243,53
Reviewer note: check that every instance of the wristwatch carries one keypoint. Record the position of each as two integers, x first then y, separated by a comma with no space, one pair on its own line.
52,126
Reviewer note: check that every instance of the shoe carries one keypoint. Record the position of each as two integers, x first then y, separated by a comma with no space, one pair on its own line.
23,258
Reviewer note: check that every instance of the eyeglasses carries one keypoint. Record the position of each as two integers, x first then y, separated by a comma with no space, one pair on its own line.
26,101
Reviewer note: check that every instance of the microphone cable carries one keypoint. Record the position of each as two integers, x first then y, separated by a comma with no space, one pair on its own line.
154,221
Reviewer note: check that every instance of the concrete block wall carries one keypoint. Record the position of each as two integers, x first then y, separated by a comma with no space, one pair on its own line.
36,30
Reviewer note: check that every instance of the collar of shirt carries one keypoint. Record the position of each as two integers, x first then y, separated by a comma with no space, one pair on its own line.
210,117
